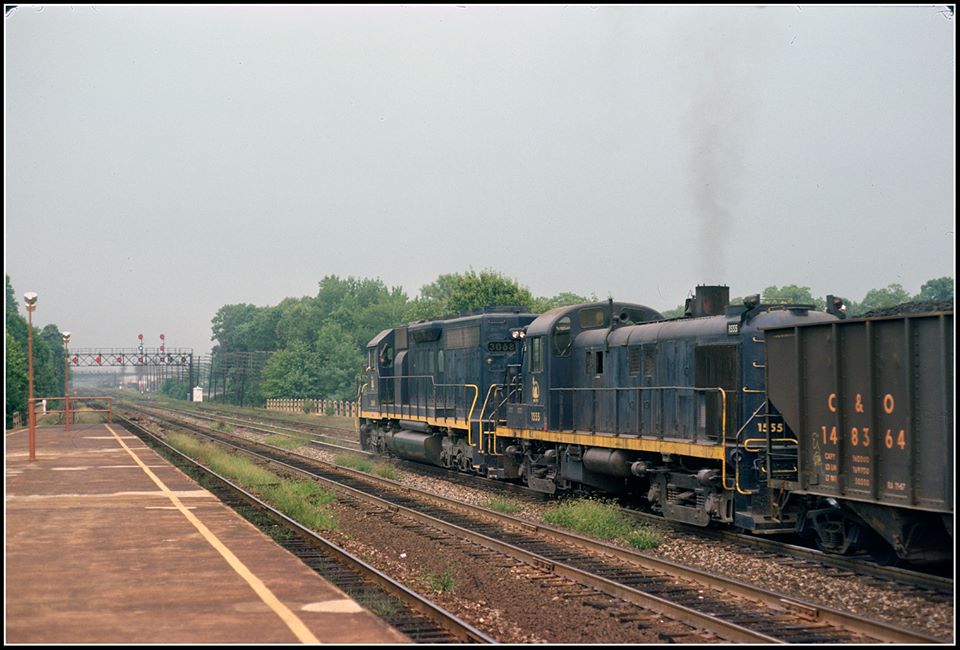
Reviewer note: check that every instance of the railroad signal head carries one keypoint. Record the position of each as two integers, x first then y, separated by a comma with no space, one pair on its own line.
140,336
140,349
76,360
162,337
119,359
99,360
161,348
140,360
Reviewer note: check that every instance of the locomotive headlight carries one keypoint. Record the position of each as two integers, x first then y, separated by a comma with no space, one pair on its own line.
515,334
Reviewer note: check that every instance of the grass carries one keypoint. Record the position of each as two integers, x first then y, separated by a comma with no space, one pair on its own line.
290,440
442,581
301,500
383,606
503,505
367,466
601,519
354,462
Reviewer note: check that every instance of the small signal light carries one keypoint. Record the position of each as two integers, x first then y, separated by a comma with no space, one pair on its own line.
161,348
140,359
99,360
119,359
162,337
76,360
140,336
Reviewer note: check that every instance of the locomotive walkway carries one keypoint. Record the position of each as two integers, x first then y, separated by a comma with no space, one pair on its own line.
108,543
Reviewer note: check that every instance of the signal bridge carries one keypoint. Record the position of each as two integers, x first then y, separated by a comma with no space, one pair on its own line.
114,357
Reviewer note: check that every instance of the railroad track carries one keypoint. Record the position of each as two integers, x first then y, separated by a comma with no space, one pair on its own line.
334,442
765,547
415,616
785,552
737,612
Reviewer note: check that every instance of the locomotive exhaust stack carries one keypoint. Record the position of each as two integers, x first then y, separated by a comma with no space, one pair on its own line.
709,300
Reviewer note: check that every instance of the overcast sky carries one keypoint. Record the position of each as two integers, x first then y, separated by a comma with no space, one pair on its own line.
163,161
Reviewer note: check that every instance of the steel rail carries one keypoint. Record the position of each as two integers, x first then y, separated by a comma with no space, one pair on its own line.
811,611
415,601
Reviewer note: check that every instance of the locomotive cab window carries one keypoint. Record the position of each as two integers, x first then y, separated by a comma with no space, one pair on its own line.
536,354
593,317
562,337
386,356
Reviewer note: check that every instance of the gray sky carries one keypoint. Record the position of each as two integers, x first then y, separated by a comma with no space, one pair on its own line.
163,161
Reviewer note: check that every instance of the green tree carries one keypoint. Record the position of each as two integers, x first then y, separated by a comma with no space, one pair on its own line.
47,359
892,295
48,364
226,323
15,323
175,388
792,294
676,312
936,289
338,361
299,320
544,304
15,387
292,373
451,294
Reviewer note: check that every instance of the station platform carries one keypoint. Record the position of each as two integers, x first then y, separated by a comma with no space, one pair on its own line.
106,542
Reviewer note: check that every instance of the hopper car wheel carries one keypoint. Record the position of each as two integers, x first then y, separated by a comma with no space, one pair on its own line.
840,536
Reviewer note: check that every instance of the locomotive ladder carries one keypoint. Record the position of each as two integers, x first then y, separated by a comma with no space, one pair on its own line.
776,454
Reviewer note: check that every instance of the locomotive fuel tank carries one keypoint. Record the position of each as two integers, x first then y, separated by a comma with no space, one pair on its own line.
415,446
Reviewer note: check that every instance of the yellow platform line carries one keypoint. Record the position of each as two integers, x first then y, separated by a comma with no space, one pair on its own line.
292,621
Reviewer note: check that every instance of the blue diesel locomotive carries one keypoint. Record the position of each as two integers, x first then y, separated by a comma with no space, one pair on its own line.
616,398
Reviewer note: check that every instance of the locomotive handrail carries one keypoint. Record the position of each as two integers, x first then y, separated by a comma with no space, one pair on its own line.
493,388
399,411
737,445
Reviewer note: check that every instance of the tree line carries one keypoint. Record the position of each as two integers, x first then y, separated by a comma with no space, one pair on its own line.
314,347
48,360
318,343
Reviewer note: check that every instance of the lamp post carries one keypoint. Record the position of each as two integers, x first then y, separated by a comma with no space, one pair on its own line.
31,299
66,378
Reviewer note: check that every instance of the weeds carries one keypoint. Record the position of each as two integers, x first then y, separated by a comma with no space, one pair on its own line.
601,519
303,501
